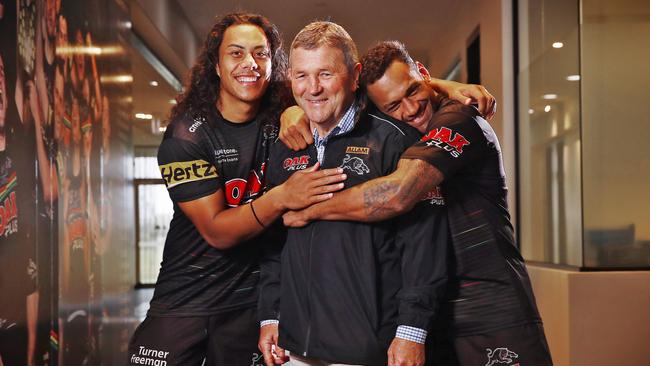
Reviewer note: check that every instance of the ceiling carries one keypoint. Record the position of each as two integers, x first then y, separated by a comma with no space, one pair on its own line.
154,100
418,23
413,22
367,23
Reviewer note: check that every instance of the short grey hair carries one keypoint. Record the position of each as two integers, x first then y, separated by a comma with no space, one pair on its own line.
323,33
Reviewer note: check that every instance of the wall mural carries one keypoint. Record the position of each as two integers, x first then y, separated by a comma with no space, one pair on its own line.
66,205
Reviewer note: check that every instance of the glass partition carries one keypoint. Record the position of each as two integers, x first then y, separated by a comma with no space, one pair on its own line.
584,160
549,131
615,130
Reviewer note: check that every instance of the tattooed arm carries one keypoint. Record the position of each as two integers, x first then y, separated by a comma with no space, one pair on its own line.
375,200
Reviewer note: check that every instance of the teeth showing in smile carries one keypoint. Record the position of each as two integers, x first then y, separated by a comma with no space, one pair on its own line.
247,79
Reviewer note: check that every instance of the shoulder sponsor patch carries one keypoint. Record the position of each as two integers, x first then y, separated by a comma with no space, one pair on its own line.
357,150
180,172
444,138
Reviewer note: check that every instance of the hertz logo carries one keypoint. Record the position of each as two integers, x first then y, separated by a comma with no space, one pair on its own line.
187,171
357,150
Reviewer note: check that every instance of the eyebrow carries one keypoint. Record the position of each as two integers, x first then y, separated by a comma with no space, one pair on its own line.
414,85
243,48
390,105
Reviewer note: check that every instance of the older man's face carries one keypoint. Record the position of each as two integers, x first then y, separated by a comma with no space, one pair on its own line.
322,84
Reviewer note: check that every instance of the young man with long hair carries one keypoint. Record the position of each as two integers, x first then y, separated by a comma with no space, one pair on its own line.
213,160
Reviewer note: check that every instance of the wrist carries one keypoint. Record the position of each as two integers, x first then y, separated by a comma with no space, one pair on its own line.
411,334
276,196
266,322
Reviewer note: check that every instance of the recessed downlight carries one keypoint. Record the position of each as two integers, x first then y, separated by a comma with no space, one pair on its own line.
143,116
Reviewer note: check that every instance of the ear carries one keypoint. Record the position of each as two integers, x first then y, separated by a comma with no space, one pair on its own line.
356,72
423,70
216,68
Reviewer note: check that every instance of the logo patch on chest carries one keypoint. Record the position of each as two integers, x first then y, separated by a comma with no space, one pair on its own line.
357,150
354,164
296,163
227,155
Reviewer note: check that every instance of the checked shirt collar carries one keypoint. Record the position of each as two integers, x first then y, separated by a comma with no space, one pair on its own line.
345,125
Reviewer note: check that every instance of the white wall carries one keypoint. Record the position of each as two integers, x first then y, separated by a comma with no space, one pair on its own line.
494,19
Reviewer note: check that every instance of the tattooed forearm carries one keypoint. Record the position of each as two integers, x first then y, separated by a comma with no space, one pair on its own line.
377,200
397,194
412,188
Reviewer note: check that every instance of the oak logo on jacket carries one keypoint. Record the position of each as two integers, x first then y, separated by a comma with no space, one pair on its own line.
296,163
444,138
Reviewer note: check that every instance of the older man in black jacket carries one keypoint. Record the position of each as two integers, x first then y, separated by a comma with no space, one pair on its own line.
344,291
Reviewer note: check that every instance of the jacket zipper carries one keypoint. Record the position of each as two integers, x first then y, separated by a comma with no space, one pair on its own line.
308,335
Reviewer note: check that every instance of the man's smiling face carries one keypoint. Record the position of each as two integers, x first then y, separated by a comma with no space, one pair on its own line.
322,84
402,94
244,65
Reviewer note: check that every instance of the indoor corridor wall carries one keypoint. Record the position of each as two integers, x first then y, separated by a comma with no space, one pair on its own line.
66,202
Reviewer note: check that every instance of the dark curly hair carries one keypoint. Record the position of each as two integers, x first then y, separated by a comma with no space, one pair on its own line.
378,58
202,90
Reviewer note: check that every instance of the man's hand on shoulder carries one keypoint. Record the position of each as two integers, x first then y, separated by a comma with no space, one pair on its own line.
294,129
467,94
405,353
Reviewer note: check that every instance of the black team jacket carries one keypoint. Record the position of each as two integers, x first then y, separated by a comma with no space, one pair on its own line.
341,288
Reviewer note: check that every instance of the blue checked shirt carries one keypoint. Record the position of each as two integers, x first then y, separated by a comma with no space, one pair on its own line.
345,125
412,334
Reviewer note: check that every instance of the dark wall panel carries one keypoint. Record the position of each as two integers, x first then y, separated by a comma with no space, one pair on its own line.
66,202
